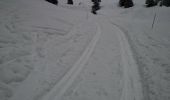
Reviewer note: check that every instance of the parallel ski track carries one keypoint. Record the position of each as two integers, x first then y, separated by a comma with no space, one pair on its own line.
132,89
60,88
132,85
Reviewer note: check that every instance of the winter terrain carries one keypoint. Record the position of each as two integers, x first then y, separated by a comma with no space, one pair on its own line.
64,52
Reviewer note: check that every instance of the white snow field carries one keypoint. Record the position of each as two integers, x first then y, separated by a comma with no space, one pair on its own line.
64,52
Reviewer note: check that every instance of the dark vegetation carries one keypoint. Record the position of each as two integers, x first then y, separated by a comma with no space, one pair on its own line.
70,2
122,3
96,6
126,3
151,3
53,1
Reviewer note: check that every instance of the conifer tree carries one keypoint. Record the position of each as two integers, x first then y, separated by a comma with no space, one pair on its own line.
150,3
128,3
121,3
96,6
166,3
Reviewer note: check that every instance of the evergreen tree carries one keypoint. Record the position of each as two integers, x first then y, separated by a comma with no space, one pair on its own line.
96,6
70,2
150,3
121,3
166,3
128,3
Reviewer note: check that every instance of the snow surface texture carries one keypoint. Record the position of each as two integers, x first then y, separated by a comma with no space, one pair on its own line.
150,46
33,33
64,52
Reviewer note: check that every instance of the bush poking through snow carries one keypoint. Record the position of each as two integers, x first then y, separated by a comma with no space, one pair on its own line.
126,3
53,1
70,2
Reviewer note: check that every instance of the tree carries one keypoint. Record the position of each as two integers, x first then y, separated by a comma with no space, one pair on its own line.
126,3
150,3
96,6
70,2
121,3
166,3
96,1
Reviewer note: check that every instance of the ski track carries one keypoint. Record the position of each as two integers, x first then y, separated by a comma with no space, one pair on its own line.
101,77
132,89
63,78
68,79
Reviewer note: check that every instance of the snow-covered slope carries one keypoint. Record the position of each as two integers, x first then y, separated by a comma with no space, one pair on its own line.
41,43
32,33
150,43
151,46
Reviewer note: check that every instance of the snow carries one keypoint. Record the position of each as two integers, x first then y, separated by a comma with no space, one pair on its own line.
64,52
150,48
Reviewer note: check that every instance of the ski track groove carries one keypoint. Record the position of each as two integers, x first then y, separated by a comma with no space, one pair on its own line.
132,89
132,86
69,78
